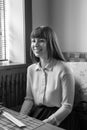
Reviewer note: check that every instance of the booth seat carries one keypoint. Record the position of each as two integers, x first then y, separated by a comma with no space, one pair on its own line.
80,103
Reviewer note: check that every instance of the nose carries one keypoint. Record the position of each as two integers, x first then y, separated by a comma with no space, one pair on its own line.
36,43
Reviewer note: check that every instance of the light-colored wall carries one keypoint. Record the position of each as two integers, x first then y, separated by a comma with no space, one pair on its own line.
40,14
67,17
16,30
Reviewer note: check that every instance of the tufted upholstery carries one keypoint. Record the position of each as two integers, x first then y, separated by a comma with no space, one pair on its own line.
80,73
80,104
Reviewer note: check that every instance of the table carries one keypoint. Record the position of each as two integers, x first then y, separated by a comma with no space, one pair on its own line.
30,123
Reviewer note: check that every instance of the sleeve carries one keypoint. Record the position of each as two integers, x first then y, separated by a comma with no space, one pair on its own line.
29,95
68,90
28,102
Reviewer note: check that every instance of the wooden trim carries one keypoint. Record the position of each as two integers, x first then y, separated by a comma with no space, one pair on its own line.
28,28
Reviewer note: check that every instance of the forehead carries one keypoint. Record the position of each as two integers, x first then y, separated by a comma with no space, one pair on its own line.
38,33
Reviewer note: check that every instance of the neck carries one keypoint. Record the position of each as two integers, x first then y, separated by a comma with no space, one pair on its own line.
44,62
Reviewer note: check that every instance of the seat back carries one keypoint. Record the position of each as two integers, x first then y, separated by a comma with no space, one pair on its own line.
80,73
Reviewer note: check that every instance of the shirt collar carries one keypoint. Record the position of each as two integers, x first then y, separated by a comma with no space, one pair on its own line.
47,67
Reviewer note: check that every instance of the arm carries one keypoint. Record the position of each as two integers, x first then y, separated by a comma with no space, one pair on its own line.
26,107
67,83
28,102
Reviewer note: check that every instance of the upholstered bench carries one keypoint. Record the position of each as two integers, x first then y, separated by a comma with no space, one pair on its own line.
80,104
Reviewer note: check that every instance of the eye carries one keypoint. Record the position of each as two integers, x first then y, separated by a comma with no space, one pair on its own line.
42,40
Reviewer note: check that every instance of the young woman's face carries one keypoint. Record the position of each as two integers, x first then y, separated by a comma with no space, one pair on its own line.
39,47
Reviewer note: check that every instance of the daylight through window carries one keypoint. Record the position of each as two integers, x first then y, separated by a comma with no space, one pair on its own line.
2,31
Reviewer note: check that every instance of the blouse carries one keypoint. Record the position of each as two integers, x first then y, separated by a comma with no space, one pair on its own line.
51,86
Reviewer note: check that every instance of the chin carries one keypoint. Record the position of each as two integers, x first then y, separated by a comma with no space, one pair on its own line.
37,55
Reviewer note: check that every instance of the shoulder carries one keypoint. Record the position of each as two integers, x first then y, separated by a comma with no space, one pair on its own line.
65,72
31,68
63,67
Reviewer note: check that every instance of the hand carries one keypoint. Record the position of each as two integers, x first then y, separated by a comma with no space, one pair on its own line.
50,120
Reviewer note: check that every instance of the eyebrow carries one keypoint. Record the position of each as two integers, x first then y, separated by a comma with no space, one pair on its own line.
38,39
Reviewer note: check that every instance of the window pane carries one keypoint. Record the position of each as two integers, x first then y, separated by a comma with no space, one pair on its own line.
2,31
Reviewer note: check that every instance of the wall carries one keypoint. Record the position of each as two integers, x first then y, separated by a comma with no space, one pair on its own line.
67,17
40,13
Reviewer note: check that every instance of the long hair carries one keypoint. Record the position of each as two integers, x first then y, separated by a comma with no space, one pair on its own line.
53,47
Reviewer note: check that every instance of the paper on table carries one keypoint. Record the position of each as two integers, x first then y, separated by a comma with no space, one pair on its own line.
13,119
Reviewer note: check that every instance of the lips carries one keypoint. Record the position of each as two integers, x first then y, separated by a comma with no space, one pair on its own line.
37,50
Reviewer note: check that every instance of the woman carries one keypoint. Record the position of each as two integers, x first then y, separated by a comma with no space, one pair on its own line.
50,83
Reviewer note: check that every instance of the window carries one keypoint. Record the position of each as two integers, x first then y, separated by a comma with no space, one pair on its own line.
14,39
2,32
12,31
